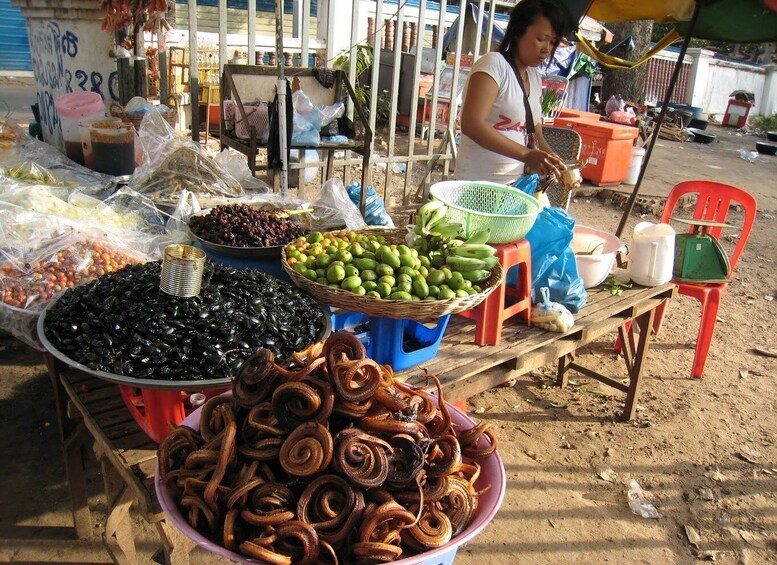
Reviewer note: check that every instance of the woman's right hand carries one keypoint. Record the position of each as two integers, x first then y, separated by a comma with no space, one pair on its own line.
543,163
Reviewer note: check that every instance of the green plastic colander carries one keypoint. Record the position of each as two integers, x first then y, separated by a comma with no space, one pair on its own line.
507,212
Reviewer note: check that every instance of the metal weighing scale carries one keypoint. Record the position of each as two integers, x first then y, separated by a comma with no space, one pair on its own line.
699,257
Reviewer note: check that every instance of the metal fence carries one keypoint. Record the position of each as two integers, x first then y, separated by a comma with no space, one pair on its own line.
405,81
659,74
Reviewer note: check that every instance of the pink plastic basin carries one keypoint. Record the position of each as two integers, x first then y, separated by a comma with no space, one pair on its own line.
492,473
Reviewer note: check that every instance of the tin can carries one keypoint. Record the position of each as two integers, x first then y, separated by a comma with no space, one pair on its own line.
182,268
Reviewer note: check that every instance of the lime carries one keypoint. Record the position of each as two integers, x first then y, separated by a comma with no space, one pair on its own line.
300,268
407,271
310,274
323,260
335,273
404,278
369,285
400,295
435,277
373,294
351,271
420,288
314,237
405,287
388,279
350,283
368,275
383,289
434,291
446,294
356,249
344,255
382,270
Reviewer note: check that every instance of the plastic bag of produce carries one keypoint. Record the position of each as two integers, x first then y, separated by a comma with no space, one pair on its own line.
29,171
11,135
31,277
187,167
551,316
128,215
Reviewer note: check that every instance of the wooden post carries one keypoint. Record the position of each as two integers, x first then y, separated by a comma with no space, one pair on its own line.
406,36
371,31
126,80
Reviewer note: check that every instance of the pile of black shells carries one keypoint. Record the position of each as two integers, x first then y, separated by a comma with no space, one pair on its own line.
123,324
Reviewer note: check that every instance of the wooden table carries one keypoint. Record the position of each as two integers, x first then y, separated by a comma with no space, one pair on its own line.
464,366
89,406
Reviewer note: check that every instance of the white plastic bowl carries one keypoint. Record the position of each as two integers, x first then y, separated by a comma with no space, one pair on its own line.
595,253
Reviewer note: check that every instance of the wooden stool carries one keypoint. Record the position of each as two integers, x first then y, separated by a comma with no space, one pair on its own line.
506,301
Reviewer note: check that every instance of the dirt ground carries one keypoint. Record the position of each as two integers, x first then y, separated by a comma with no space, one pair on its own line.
705,450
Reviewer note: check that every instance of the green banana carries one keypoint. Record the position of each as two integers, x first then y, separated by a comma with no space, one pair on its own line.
476,276
446,229
464,264
426,211
480,236
491,262
437,216
477,251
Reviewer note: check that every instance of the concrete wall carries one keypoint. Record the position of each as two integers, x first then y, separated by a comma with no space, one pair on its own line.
712,80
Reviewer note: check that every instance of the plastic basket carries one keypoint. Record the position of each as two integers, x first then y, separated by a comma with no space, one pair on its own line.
507,212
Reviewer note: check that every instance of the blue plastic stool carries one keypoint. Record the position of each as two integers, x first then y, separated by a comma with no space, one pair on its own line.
269,266
387,340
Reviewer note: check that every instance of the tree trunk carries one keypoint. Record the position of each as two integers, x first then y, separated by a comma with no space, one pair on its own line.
629,83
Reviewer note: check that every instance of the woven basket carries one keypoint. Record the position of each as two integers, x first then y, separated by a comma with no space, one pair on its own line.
419,310
117,110
508,212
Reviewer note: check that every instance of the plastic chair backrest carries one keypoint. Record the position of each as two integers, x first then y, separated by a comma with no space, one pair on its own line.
714,200
566,143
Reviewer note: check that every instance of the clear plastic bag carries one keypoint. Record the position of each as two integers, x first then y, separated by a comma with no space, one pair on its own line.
60,168
236,165
551,316
187,167
157,138
307,121
334,207
30,278
30,214
614,103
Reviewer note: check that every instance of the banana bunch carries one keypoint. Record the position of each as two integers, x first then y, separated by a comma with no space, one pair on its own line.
473,258
431,222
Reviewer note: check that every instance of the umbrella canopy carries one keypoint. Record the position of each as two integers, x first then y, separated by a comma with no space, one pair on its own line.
737,21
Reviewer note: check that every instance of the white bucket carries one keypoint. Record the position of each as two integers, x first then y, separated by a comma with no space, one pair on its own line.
637,154
651,254
70,53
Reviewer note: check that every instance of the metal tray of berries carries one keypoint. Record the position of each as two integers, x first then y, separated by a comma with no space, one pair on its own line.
246,251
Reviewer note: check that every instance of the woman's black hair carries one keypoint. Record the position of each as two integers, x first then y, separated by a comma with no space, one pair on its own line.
526,13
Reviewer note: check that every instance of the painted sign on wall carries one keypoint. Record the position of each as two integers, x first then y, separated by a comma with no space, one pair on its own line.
69,56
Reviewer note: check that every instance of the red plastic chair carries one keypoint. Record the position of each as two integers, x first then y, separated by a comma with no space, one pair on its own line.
714,200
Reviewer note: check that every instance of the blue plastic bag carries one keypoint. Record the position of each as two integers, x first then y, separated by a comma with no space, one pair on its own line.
528,183
375,212
553,263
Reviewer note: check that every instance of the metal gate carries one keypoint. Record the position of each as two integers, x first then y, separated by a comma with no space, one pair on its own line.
14,47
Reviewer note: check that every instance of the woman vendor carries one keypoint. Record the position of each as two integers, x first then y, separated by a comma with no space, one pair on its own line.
497,142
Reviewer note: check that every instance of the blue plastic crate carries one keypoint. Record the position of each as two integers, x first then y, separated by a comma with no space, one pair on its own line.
270,266
400,343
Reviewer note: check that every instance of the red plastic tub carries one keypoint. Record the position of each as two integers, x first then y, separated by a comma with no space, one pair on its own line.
606,146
